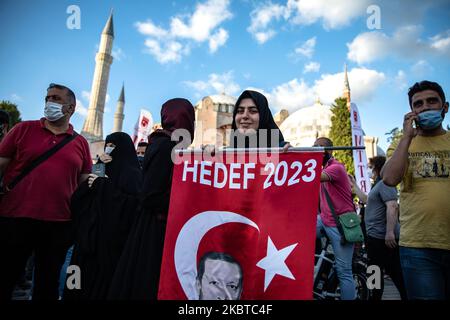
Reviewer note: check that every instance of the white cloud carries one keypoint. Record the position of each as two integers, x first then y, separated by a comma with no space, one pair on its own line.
261,17
405,43
311,67
400,80
216,83
203,25
297,94
202,22
333,14
149,29
86,95
441,42
307,49
118,54
262,37
292,95
421,68
170,52
217,40
16,98
81,109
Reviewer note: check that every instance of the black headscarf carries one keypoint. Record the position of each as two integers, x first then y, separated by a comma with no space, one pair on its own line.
266,120
123,170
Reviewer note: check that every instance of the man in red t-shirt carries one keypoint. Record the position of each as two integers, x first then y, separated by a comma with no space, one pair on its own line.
35,214
335,181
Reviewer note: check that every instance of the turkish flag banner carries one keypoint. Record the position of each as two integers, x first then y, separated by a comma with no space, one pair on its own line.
241,229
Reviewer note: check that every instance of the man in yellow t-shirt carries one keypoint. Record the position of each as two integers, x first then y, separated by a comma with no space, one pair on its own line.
421,161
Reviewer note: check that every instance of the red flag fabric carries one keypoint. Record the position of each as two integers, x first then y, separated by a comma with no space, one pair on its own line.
241,229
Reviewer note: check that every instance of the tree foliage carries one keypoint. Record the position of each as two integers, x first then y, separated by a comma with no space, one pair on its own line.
13,111
394,135
341,133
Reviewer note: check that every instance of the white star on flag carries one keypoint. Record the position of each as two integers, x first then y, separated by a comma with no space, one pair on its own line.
274,262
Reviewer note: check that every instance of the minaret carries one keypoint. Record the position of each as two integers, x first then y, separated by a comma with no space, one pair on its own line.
118,116
347,89
93,126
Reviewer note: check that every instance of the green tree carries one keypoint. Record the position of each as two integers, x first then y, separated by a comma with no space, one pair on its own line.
341,133
12,109
394,135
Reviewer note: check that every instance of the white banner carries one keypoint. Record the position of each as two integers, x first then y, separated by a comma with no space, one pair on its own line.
143,127
359,156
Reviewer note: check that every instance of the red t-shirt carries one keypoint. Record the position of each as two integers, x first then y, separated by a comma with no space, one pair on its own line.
339,189
44,194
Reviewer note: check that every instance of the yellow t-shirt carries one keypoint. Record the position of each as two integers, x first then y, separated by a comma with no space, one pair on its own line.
425,193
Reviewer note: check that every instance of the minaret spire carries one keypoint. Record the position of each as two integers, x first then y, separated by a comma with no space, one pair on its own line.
119,115
93,125
346,94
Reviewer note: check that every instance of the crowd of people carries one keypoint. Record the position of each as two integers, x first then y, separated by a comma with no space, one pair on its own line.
112,224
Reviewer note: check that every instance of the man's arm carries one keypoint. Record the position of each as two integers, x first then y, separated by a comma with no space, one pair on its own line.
395,168
359,193
391,221
3,164
324,177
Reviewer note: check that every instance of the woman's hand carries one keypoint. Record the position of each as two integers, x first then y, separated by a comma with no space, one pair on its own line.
286,147
91,179
209,149
105,158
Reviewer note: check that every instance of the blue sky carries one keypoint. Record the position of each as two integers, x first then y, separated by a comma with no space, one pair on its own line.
293,51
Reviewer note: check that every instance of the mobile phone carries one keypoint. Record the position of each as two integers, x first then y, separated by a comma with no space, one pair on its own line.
99,169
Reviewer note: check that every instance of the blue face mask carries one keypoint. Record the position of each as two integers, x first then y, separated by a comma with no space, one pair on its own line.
431,119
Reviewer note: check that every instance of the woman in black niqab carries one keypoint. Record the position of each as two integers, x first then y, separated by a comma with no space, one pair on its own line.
102,217
137,275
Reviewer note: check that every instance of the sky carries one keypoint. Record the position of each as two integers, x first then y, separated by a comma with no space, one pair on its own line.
294,51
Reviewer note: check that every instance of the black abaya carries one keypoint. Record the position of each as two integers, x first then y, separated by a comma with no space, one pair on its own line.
137,275
102,216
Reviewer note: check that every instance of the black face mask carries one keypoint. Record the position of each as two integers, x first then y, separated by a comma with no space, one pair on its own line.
326,157
141,160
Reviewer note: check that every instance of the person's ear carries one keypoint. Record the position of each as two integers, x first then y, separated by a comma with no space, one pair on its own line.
71,109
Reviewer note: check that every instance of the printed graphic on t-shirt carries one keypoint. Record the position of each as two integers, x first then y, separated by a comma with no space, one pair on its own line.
434,164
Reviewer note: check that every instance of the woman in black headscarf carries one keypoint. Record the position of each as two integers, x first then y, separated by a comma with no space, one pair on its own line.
251,115
103,209
137,275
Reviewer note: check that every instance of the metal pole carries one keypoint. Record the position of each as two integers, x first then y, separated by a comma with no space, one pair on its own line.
296,149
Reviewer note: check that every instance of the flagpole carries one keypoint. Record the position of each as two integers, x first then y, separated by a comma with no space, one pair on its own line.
293,149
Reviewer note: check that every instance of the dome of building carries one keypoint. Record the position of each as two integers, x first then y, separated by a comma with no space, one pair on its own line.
223,99
221,102
304,126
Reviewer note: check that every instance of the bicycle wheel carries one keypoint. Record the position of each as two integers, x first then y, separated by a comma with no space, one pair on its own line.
362,292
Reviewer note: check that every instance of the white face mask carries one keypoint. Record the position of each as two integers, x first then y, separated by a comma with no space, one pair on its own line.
53,111
108,150
369,172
